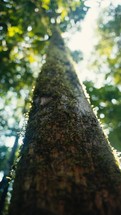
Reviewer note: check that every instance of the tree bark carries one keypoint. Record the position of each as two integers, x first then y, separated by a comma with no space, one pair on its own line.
66,166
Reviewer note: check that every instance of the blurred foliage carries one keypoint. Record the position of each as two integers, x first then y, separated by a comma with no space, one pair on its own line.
107,61
107,50
77,55
106,102
14,61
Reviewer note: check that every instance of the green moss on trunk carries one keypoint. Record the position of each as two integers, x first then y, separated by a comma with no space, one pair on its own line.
66,165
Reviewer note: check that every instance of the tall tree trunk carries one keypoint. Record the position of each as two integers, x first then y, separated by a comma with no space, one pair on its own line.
66,166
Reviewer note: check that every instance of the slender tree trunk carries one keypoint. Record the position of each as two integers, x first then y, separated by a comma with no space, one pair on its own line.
66,166
4,184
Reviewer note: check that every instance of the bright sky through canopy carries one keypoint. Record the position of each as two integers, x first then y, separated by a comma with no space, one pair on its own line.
85,39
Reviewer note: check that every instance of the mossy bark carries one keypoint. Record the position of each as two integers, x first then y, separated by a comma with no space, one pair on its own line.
66,166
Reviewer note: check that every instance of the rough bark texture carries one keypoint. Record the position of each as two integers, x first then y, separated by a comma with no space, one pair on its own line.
66,165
